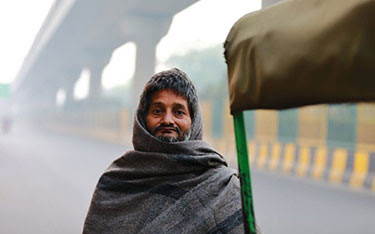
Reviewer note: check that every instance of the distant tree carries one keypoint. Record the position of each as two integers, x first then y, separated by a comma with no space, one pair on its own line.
120,93
206,68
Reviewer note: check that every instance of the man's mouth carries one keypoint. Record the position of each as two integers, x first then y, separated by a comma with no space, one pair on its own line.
167,130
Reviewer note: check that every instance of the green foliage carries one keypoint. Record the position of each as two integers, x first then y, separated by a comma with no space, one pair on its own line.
120,93
206,68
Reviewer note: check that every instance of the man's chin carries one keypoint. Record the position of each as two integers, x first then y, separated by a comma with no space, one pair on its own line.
168,139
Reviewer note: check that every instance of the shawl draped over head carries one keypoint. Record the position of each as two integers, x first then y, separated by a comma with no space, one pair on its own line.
161,187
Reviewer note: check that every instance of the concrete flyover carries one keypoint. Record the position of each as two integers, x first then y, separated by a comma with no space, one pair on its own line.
80,34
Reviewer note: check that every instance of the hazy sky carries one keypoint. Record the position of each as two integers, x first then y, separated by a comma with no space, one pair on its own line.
20,21
204,24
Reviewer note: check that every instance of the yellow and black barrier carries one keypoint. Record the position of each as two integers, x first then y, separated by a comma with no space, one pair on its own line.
337,165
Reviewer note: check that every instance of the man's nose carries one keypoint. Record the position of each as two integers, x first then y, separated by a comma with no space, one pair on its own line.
168,118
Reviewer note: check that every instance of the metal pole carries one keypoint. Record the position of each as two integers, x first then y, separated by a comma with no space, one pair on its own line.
244,172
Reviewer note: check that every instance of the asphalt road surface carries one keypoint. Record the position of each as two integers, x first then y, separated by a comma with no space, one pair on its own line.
47,179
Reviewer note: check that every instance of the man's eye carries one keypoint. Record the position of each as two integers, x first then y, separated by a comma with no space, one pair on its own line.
156,111
180,113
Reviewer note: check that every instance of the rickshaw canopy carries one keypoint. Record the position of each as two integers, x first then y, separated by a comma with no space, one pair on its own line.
302,52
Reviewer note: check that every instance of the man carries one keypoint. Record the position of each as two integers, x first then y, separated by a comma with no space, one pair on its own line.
172,182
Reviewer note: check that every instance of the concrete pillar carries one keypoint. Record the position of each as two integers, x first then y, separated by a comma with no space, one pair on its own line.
69,79
69,91
95,85
96,61
146,36
144,68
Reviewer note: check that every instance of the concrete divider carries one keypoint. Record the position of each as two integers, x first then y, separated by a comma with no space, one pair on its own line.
337,166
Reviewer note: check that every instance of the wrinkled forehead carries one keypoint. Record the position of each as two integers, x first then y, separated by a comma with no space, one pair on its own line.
168,97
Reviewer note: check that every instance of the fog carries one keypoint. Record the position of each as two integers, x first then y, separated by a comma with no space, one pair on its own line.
69,113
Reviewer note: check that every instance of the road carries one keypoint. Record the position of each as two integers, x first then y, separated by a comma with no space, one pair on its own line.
46,182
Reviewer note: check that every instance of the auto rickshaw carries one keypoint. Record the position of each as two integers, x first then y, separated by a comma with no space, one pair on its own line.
297,53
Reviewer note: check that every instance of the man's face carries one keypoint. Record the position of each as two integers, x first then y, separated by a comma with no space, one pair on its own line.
168,117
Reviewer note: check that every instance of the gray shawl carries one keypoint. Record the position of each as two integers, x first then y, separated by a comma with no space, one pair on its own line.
159,187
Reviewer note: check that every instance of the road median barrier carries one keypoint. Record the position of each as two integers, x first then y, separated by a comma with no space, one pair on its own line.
334,165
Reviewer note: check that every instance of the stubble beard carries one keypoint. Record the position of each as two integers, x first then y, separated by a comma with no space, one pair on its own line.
170,139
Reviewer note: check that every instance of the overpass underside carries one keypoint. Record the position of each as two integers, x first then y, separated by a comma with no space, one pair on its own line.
82,34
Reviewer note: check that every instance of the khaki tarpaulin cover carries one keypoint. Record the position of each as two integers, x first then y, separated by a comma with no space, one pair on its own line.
302,52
